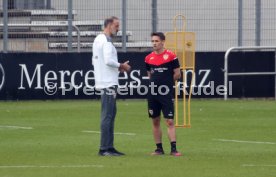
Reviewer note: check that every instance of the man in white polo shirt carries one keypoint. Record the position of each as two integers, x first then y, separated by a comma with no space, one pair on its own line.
106,70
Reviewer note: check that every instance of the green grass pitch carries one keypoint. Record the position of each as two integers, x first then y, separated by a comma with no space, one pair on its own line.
236,138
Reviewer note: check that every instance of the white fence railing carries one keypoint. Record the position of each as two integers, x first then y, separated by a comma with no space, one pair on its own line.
247,48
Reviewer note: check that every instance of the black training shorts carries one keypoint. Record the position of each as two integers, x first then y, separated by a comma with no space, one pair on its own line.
156,103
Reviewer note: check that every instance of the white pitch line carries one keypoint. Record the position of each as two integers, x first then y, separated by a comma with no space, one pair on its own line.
15,127
239,141
116,133
52,166
254,165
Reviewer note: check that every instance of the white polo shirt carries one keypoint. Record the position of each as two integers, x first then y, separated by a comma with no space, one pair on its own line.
105,61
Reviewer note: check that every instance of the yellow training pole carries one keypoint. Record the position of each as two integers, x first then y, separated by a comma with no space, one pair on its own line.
183,45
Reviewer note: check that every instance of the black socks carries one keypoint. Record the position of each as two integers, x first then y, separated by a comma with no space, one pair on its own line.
173,146
159,146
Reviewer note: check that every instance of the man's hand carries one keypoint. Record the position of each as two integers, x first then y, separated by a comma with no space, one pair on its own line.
124,67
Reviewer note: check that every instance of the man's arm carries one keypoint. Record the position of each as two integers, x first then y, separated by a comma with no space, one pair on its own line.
107,55
176,68
148,69
149,74
176,74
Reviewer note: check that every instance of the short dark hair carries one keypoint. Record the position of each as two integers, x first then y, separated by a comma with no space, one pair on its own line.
109,20
159,34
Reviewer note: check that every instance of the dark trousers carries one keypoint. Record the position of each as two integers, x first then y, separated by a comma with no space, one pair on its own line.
108,113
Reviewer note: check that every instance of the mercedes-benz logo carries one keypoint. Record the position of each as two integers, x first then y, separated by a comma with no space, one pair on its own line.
2,76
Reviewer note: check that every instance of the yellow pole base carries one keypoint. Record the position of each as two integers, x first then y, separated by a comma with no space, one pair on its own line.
183,126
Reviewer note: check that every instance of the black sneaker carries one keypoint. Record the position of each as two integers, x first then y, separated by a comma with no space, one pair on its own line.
106,153
114,151
158,152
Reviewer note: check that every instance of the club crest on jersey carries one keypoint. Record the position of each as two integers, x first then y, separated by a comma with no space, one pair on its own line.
151,58
165,56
